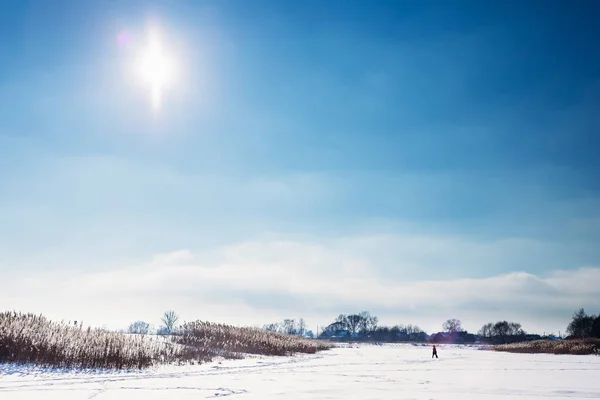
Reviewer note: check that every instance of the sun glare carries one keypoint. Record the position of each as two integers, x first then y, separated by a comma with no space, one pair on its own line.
156,68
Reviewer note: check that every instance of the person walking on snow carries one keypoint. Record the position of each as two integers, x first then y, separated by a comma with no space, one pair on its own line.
434,352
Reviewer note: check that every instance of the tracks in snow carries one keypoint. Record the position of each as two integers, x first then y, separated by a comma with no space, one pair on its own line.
101,385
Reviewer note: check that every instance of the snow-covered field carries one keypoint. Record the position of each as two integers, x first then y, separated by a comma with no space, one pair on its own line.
358,372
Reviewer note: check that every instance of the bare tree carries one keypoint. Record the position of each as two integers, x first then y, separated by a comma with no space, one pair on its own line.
502,330
169,320
487,330
452,326
364,322
289,326
368,322
354,321
412,329
342,320
139,327
515,329
301,327
372,323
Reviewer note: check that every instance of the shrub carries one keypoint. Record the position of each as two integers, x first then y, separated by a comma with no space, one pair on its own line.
139,327
575,346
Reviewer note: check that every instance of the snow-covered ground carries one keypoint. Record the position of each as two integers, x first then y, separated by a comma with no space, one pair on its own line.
358,372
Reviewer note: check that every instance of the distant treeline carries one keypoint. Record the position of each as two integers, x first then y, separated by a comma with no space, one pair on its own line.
357,327
365,327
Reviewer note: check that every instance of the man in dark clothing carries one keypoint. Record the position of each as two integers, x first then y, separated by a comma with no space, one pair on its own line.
434,352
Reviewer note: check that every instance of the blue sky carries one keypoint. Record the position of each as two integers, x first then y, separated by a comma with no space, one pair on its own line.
393,146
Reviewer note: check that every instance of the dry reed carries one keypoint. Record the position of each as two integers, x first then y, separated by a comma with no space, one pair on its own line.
33,339
228,340
573,346
28,338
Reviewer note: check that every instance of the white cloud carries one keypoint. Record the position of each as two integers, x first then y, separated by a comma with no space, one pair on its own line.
258,282
173,258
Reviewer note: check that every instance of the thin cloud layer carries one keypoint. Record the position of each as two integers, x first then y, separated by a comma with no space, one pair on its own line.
261,281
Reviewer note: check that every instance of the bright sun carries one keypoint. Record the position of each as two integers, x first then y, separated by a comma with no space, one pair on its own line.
156,68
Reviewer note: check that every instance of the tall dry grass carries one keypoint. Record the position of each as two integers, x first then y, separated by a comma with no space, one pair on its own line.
33,339
575,346
28,338
229,340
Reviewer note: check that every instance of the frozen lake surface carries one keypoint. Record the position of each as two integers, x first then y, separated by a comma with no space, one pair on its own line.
359,372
